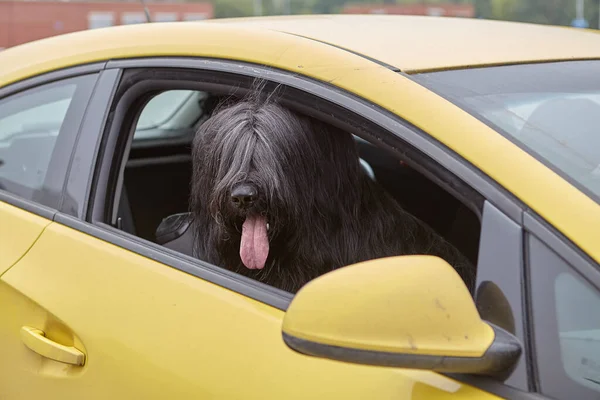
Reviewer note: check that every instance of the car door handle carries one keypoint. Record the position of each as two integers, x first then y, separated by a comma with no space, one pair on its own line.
37,341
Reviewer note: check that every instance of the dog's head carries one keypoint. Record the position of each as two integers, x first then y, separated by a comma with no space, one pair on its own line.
262,172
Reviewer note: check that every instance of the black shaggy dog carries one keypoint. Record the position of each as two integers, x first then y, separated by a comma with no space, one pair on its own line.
281,198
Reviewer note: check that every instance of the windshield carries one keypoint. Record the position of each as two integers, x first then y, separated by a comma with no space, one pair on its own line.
551,110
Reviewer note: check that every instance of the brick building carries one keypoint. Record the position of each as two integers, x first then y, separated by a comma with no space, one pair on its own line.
24,21
440,10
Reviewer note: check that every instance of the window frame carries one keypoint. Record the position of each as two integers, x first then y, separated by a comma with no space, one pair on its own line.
189,79
446,158
51,195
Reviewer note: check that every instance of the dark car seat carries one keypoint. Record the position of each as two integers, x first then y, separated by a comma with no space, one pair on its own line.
174,233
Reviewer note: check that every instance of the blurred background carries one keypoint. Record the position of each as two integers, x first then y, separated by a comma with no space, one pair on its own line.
24,20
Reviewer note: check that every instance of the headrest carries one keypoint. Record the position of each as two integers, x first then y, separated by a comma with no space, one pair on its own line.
172,227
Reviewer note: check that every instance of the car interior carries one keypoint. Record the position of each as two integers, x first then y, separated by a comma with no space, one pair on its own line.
156,180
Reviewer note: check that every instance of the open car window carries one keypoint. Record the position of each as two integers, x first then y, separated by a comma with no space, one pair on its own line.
158,173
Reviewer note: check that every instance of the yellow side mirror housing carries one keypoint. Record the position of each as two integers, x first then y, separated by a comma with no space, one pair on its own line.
406,311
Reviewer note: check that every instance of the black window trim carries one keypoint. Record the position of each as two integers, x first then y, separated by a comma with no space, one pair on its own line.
27,205
88,146
50,77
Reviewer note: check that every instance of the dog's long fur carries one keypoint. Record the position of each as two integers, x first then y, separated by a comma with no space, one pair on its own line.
323,211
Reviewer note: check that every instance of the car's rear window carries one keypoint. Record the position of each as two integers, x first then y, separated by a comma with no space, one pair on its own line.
552,110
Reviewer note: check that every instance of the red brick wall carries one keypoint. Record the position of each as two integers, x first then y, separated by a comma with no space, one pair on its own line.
24,21
454,10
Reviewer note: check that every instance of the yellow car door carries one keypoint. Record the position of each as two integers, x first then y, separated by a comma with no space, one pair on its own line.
89,319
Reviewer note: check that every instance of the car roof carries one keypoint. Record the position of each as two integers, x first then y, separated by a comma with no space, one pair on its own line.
419,43
407,43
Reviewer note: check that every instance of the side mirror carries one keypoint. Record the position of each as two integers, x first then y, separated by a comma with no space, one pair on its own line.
406,312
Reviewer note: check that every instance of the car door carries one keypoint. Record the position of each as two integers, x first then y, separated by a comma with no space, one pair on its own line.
39,121
149,331
93,312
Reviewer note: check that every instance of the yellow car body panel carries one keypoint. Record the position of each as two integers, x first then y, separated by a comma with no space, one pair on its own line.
418,43
19,229
154,332
573,213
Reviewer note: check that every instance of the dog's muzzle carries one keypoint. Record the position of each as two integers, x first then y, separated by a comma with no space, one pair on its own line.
244,195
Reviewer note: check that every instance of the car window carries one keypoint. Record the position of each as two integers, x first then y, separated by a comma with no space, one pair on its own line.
49,115
578,317
551,110
157,181
566,325
31,123
170,113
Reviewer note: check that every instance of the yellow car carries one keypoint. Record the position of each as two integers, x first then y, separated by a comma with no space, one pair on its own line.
488,131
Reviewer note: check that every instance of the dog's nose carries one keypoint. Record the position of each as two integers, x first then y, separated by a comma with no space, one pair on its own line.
244,195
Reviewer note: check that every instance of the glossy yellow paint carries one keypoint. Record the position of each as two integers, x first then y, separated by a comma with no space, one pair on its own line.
37,341
19,229
419,43
153,332
572,213
402,305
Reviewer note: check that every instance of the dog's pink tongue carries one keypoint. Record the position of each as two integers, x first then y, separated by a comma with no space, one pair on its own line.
254,248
